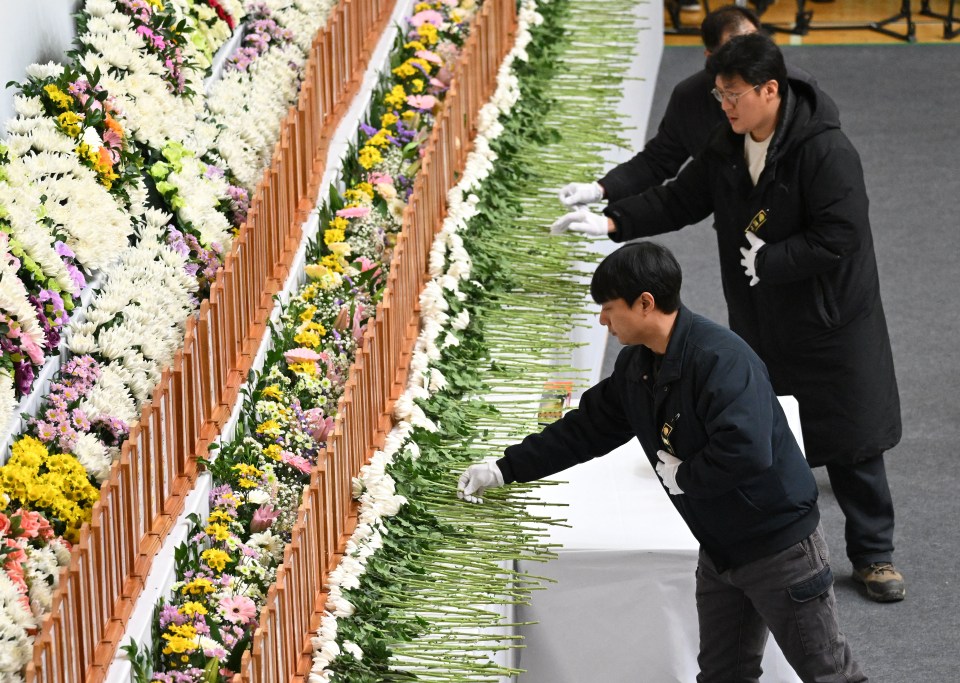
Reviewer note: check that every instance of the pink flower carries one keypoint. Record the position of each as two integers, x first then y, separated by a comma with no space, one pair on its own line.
427,16
318,424
296,461
238,609
375,178
422,102
366,264
301,355
31,523
354,212
4,524
263,517
429,56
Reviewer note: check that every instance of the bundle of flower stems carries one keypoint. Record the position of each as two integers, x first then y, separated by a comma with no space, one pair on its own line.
419,593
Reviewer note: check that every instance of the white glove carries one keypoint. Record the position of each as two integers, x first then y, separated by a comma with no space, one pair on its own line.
749,260
478,478
583,221
667,469
573,194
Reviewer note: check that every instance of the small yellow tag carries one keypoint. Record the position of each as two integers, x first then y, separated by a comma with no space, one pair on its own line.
757,221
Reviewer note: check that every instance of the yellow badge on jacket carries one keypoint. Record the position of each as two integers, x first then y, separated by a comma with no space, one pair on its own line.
758,221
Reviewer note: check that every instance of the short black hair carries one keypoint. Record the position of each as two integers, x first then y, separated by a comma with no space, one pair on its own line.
636,268
753,57
722,20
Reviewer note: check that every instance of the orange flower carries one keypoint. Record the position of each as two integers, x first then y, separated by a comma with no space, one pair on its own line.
113,125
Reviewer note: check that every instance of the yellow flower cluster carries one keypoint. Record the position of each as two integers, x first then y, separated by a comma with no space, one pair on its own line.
308,369
396,97
219,532
272,391
59,98
370,157
181,639
428,34
310,334
273,452
333,235
216,559
51,483
198,586
249,475
388,119
69,123
270,428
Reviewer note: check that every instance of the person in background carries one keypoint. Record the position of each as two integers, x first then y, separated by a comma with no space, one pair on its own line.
799,276
700,402
685,128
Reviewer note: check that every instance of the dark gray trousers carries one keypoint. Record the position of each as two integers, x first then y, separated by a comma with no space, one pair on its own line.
790,594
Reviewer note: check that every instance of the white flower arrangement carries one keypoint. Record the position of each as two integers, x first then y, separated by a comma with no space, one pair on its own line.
303,17
42,162
249,106
22,207
135,77
8,398
449,265
16,620
14,302
135,324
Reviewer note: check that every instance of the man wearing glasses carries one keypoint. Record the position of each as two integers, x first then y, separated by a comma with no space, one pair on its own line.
700,403
799,276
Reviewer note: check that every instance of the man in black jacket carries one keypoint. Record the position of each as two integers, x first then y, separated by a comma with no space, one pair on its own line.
799,276
699,401
685,128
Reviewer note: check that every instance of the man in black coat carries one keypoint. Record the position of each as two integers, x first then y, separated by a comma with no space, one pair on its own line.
799,276
699,401
685,128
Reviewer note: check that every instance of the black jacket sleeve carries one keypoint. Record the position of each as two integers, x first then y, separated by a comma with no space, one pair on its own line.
684,201
595,428
660,159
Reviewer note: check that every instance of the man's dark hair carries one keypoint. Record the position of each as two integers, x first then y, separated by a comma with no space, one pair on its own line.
753,57
636,268
722,20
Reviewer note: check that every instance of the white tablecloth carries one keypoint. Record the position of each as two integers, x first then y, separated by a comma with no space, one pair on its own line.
623,607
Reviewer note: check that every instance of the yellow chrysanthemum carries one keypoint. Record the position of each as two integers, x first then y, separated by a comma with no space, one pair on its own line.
332,262
268,427
218,516
414,45
388,119
427,33
198,586
332,235
273,451
369,157
339,223
396,97
416,85
405,70
272,391
308,369
218,531
309,339
365,187
191,608
216,559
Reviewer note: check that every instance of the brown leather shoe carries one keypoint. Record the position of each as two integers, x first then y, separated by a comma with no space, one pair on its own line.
882,581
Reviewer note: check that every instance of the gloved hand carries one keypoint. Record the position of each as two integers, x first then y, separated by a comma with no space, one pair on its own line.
583,221
573,194
478,478
749,260
667,469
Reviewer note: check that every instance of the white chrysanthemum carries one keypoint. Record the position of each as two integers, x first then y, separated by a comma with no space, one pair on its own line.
93,455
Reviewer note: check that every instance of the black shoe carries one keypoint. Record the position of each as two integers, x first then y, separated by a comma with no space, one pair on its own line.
882,581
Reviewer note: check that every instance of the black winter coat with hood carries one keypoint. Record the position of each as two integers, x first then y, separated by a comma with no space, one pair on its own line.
815,317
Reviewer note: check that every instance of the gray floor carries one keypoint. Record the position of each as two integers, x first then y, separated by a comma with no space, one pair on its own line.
900,105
